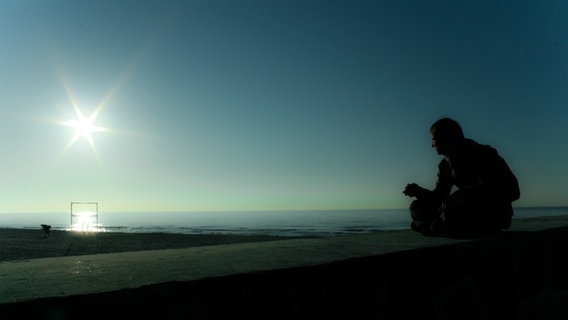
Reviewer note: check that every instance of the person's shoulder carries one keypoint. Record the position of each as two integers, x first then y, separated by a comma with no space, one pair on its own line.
475,146
481,152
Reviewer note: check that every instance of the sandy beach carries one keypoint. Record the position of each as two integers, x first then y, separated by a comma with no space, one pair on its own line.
23,244
149,273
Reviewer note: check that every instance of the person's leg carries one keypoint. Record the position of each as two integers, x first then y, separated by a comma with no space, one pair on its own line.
423,213
475,213
506,215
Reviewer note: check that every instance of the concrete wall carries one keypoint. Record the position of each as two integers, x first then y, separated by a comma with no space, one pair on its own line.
516,275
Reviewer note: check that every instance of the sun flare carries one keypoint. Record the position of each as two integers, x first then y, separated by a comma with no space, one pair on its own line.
84,127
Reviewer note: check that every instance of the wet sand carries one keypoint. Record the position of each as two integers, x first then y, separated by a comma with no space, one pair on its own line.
24,244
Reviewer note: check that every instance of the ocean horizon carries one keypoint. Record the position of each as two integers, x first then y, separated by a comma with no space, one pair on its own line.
280,223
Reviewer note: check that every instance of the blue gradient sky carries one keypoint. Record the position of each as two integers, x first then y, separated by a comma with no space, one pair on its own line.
273,105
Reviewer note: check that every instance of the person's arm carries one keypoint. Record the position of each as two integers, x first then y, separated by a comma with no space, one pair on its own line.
414,190
442,190
444,182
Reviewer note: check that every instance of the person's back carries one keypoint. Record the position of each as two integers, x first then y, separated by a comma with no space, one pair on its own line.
486,188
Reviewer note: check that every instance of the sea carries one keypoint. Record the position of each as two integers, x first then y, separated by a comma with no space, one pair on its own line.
319,223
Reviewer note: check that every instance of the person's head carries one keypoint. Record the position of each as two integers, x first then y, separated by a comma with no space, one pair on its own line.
446,135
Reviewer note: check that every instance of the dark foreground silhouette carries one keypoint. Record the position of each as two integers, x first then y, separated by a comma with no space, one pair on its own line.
485,184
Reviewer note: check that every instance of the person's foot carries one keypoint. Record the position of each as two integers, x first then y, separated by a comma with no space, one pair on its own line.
440,228
425,228
419,226
414,227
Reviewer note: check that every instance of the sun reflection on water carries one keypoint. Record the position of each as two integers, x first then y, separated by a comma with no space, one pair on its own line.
86,221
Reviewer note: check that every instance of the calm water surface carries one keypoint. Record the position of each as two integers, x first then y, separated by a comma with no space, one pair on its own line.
291,223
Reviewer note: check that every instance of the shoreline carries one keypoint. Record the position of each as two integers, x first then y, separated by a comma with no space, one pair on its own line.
25,244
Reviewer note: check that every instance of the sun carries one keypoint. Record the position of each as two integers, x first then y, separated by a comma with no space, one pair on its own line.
84,127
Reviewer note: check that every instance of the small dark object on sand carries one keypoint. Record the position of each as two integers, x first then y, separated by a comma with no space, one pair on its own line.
46,228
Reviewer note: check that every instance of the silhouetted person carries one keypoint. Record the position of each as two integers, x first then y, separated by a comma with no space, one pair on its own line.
46,229
485,187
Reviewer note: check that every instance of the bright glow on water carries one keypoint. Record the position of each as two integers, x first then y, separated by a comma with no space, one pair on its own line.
85,221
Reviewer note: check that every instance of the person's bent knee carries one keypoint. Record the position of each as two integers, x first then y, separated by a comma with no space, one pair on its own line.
421,210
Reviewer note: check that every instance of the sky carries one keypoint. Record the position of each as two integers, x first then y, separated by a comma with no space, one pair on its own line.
272,105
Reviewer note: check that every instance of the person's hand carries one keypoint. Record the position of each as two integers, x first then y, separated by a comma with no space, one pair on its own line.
412,190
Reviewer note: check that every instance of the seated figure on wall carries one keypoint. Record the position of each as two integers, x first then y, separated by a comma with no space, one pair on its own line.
486,187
